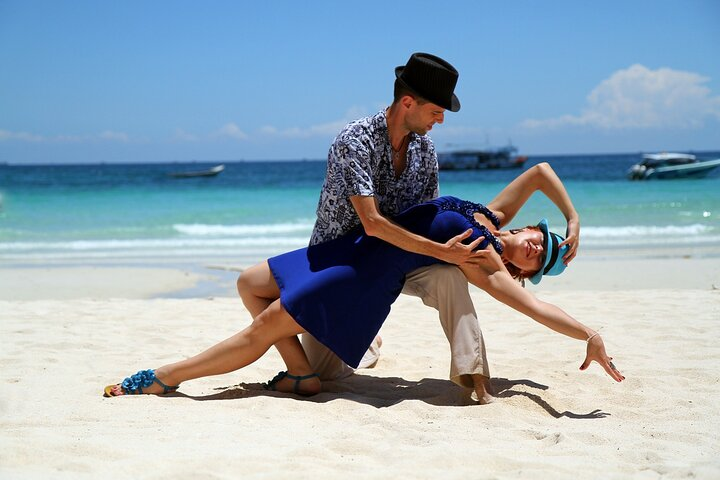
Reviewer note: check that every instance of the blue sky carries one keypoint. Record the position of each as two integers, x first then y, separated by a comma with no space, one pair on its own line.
160,81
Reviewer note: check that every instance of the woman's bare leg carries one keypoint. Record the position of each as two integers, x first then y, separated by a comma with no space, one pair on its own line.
258,289
243,348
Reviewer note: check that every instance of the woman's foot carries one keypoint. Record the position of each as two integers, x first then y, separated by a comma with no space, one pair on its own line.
305,385
144,382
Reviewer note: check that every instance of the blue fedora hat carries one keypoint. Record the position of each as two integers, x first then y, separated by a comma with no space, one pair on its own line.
553,253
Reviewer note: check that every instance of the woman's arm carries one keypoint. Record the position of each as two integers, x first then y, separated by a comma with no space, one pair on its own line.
494,279
539,177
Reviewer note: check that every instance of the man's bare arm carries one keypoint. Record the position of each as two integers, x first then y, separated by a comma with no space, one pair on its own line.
377,225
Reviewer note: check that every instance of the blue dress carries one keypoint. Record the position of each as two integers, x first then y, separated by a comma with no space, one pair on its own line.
341,291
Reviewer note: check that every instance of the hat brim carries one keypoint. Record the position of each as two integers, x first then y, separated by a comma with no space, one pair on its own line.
453,106
553,264
545,229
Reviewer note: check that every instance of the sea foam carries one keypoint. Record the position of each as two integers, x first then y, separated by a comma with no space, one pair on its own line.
199,229
645,230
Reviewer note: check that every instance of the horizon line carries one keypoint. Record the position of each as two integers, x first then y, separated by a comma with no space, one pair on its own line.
216,161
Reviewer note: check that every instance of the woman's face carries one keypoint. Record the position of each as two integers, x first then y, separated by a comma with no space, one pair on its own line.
525,250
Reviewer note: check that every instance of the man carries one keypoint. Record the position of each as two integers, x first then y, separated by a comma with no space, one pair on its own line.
377,167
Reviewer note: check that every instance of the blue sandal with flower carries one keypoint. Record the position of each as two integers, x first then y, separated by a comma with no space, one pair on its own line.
134,384
271,385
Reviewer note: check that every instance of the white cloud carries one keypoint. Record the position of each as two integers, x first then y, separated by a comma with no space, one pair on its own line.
70,138
231,130
21,136
107,135
638,97
183,136
459,131
114,136
268,130
331,128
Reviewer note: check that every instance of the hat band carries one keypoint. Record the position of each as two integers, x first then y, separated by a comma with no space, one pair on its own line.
555,251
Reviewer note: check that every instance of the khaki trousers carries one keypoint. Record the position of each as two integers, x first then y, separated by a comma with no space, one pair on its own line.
445,288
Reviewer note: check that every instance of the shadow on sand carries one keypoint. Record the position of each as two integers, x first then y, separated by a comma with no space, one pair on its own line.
382,392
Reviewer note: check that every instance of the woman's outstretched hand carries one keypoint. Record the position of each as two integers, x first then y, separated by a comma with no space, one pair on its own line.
572,240
596,352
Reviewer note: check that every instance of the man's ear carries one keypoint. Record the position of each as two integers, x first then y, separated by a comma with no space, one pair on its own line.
407,101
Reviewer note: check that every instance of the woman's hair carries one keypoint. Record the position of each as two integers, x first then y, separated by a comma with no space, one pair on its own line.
516,272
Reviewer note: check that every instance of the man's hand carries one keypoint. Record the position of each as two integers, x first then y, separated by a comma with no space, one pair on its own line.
456,252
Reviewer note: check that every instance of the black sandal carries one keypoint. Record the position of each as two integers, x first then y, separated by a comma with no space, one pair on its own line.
296,388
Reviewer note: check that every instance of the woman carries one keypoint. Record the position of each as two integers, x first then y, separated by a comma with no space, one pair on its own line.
341,291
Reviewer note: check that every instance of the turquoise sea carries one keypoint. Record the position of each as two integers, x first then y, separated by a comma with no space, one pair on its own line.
137,213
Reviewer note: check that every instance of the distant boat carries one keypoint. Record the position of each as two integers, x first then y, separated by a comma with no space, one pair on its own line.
211,172
671,165
505,157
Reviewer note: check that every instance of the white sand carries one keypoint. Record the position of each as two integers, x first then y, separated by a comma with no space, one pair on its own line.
64,283
402,419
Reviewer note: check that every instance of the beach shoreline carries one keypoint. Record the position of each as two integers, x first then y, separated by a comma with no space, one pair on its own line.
620,270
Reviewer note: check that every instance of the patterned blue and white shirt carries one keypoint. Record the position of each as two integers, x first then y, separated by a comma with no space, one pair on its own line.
360,163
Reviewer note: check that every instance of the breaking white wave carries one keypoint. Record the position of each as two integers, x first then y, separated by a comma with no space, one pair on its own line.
199,229
155,244
645,230
649,235
261,241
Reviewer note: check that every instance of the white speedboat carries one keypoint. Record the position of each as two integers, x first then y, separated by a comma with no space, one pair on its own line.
671,165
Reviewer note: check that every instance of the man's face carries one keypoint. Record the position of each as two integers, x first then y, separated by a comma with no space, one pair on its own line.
421,117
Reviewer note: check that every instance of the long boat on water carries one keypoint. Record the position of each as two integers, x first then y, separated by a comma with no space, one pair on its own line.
505,157
210,172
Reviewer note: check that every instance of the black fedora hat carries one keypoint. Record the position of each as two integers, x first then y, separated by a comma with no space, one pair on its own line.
432,78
